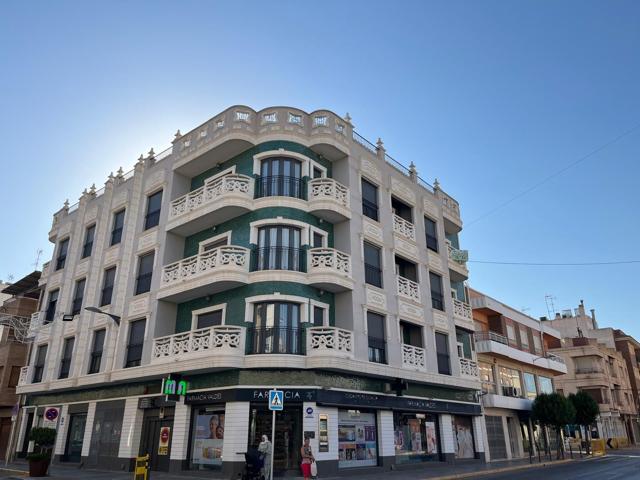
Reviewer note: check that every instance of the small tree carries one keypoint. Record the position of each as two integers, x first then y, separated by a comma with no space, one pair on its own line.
553,410
44,439
587,412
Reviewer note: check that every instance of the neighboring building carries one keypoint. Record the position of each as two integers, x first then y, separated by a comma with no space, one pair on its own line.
20,300
515,366
264,249
603,363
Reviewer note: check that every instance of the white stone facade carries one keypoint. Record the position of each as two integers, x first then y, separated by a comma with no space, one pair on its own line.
330,212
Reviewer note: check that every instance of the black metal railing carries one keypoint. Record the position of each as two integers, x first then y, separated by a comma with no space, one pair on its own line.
444,363
280,186
373,275
377,350
437,300
286,340
278,258
369,209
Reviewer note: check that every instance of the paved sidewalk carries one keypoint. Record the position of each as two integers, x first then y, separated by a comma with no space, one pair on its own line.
19,470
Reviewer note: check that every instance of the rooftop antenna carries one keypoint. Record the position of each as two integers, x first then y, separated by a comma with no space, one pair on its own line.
525,309
37,262
551,309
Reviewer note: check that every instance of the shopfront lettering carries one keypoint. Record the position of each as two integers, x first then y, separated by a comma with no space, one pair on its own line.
263,395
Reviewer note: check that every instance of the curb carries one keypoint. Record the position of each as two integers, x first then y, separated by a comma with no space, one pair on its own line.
15,472
503,470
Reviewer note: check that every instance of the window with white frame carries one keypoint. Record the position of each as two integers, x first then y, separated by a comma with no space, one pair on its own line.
214,242
212,316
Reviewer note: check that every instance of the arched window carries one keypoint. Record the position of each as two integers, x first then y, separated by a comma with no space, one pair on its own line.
280,177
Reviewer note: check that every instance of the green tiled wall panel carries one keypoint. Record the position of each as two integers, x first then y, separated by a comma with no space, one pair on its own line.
239,227
244,161
235,300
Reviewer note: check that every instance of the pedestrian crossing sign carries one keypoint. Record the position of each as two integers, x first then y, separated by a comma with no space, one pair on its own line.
276,400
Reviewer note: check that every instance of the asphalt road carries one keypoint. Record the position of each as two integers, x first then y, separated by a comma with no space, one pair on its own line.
620,465
623,466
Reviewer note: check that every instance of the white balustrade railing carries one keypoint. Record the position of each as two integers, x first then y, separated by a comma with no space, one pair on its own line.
329,189
36,321
462,310
226,256
449,205
329,258
408,288
404,228
457,255
25,375
413,357
212,189
219,339
468,367
332,341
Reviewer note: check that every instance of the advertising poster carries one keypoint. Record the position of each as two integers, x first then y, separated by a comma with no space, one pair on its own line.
357,439
208,439
463,437
432,442
163,443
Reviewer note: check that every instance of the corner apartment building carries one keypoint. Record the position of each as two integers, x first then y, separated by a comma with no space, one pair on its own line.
515,366
271,248
20,300
603,363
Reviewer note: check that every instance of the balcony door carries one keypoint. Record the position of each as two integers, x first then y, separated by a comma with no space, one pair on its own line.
280,177
277,328
279,248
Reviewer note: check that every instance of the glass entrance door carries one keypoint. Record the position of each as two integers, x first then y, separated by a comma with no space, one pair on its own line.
73,450
288,439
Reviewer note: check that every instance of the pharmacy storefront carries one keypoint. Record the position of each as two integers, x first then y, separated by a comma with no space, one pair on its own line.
348,431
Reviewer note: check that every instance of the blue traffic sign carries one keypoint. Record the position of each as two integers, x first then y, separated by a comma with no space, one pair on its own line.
276,400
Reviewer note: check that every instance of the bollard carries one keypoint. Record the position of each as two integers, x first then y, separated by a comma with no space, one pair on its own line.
141,471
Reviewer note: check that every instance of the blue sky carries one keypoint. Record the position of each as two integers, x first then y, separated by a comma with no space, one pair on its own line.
489,97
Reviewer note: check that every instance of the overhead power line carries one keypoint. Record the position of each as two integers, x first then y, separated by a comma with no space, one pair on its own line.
553,175
559,264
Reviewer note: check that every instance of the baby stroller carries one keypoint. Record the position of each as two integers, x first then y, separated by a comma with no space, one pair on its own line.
252,465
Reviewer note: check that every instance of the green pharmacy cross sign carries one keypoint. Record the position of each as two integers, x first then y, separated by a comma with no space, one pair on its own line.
173,387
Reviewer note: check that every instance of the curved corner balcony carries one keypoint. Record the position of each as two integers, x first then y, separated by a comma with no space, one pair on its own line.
329,342
329,200
213,271
329,269
218,200
225,341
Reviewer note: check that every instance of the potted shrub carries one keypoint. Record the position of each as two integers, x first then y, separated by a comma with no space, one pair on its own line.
39,460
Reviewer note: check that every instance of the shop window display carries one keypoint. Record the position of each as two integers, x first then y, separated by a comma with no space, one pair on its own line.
207,432
357,439
463,437
416,437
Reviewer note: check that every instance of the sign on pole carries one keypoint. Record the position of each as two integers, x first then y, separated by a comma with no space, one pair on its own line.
276,404
276,400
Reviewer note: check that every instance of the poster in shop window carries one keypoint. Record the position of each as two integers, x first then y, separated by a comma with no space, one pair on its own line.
209,437
463,436
432,442
357,442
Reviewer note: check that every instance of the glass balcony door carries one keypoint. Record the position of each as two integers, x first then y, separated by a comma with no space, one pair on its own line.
280,177
276,328
279,249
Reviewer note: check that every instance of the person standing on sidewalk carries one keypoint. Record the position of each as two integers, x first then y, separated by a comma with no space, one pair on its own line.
307,459
265,453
